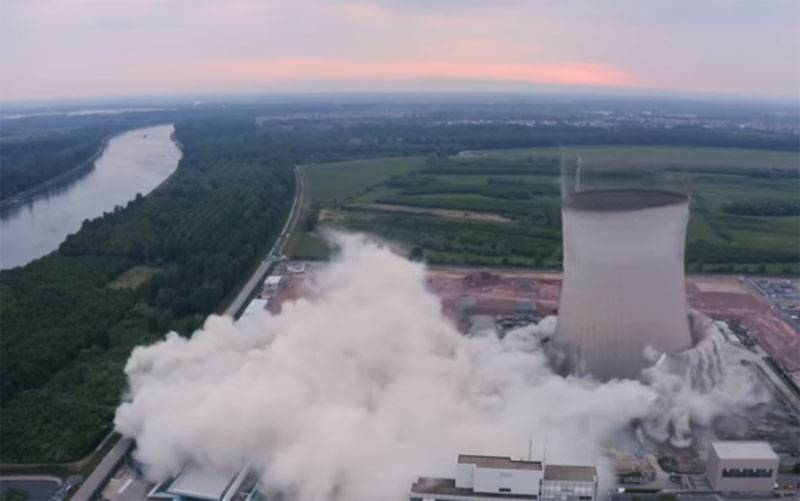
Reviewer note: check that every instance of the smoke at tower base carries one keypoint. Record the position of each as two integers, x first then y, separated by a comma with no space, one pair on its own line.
355,391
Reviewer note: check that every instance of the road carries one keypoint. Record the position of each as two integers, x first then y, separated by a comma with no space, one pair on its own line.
277,249
104,470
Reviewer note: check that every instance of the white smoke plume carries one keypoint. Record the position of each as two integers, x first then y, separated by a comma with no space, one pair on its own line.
358,389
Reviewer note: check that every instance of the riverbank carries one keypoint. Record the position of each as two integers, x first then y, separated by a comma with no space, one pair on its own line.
134,162
14,201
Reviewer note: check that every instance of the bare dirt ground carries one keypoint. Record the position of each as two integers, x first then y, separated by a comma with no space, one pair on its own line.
720,297
723,298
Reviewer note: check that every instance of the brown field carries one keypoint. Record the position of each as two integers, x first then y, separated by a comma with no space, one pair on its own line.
722,298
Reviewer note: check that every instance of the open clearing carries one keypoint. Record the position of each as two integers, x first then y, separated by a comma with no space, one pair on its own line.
133,277
502,208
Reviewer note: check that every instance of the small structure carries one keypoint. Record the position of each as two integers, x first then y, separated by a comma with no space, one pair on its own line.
274,283
742,466
296,267
490,478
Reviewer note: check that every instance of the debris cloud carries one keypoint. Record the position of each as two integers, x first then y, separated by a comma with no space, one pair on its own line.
360,387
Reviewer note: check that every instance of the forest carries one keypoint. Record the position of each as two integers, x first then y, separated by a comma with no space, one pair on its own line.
67,331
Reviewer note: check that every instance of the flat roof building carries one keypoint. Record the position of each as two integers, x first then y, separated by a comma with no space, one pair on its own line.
256,304
742,466
488,478
195,483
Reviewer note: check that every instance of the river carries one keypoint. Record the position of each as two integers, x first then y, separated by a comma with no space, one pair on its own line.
132,162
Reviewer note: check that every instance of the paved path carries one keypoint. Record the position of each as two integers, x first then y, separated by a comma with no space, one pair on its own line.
104,470
276,250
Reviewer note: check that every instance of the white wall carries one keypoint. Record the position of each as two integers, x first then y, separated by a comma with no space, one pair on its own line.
464,475
519,481
623,287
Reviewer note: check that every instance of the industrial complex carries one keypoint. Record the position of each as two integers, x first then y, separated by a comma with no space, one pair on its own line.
624,307
489,478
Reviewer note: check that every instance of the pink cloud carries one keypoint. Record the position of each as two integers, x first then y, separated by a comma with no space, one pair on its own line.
276,70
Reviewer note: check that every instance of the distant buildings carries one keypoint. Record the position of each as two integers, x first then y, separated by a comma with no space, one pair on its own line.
742,466
490,478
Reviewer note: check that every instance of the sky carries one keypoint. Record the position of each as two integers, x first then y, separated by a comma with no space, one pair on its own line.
86,48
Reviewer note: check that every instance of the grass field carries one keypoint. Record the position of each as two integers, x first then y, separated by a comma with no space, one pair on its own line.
511,184
344,180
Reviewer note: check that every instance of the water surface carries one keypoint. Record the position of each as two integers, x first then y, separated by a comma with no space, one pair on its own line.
133,162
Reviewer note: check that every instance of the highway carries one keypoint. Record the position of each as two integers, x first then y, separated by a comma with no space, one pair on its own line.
277,249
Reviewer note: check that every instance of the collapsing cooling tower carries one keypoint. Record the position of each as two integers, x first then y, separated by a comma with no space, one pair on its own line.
623,292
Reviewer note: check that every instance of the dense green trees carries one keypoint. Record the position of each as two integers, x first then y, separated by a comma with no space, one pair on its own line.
763,207
31,161
67,334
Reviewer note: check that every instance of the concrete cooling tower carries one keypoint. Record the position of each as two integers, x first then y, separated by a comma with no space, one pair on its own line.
623,293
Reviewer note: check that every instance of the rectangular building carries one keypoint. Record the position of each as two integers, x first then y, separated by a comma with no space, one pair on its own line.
194,483
496,478
569,483
742,466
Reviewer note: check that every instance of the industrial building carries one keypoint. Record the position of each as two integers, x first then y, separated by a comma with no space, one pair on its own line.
742,466
197,484
489,478
623,290
256,304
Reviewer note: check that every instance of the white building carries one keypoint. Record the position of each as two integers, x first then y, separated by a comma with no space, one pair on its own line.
296,267
491,478
256,304
742,466
273,283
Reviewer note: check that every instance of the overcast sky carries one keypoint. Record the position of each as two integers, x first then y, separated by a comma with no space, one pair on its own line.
80,49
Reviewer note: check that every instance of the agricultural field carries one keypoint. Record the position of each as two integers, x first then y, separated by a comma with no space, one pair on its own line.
502,207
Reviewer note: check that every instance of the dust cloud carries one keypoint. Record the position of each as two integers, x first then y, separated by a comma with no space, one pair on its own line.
359,388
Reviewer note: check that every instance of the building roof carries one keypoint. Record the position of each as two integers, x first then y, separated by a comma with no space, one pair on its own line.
447,486
499,462
740,449
273,280
202,484
256,304
570,473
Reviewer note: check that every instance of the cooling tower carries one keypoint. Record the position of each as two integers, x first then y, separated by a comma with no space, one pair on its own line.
623,288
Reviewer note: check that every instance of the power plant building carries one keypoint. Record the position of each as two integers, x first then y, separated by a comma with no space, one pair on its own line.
495,478
623,292
742,466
